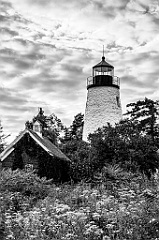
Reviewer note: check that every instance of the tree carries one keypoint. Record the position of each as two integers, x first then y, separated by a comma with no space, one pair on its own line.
78,152
51,125
146,113
2,136
77,126
125,146
54,128
67,135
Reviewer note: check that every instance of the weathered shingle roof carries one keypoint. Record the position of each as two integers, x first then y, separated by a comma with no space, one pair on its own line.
48,146
52,149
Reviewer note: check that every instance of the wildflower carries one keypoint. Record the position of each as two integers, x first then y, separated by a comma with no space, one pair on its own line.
106,238
109,225
91,229
99,204
98,232
86,192
60,208
19,217
43,209
10,236
152,220
80,216
96,216
95,193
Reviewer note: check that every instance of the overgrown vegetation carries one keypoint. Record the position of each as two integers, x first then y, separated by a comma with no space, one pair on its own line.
34,208
132,144
113,193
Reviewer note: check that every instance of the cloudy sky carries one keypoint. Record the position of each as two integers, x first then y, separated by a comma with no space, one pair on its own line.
48,47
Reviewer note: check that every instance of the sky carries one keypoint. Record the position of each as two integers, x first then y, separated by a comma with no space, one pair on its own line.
48,49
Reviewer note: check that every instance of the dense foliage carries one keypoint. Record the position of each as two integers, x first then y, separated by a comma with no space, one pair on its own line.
126,146
51,125
78,152
19,192
77,127
132,144
114,194
33,208
145,113
1,138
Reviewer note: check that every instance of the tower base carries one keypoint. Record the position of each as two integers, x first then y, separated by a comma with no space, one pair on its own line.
103,106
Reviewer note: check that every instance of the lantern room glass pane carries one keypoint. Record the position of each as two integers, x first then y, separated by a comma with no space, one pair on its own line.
100,71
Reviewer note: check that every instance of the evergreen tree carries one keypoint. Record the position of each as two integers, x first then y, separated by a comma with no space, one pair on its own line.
67,135
145,113
126,146
1,138
51,125
77,126
29,125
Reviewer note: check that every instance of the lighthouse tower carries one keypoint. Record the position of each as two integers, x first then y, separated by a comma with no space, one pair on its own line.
103,104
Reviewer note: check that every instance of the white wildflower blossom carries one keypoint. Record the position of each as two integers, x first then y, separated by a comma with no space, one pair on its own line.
96,216
19,217
95,193
98,232
109,225
80,216
86,192
76,216
152,220
99,204
91,229
69,236
86,210
60,208
43,209
106,238
10,236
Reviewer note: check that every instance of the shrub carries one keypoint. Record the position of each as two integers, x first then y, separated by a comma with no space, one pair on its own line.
79,212
28,184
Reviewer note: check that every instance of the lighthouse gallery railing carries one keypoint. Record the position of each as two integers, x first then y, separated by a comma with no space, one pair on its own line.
91,81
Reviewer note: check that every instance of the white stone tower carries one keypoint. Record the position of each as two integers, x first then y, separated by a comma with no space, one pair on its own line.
103,104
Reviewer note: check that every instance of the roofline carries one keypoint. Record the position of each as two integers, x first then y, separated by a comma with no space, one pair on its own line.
10,148
103,65
7,154
38,122
4,154
45,148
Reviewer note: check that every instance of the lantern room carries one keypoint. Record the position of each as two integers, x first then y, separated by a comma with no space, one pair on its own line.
103,68
103,75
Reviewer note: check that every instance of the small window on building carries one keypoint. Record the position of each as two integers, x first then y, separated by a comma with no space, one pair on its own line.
118,101
36,128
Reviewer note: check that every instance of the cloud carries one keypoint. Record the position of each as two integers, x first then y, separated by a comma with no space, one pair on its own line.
9,97
48,48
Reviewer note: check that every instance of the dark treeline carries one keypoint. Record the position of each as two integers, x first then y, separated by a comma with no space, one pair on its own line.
131,144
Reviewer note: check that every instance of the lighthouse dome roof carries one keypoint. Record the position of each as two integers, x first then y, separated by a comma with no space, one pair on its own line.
103,63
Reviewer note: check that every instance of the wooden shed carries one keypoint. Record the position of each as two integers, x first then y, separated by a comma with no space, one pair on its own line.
31,150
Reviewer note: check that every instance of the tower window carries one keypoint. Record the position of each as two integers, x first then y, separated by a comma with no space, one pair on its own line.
36,128
118,102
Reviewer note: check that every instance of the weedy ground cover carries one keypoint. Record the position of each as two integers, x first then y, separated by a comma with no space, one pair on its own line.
109,210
